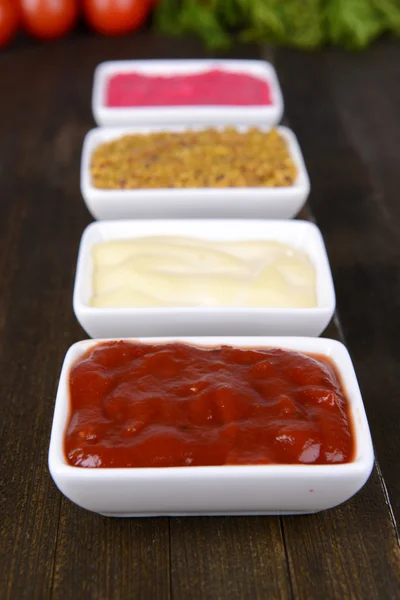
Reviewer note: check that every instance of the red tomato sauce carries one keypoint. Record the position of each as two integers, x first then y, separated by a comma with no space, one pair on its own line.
169,405
212,88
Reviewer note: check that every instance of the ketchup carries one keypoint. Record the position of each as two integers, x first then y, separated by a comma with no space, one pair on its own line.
174,404
214,87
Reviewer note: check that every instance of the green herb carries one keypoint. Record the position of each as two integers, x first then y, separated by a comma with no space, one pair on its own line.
306,24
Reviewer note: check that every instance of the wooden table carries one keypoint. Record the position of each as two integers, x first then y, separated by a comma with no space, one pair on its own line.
345,111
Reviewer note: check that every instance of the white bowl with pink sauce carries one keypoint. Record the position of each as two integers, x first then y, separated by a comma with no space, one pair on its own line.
253,113
268,489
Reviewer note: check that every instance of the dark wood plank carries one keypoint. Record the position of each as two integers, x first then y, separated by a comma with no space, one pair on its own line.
347,552
32,325
344,109
110,559
214,558
327,107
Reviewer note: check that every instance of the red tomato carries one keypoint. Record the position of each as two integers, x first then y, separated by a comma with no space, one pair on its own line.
115,17
8,21
48,19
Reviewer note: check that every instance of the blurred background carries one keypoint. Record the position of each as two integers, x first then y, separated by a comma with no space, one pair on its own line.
304,24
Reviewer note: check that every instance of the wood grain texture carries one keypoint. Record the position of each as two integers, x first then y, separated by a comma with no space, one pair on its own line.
214,558
331,104
110,559
344,110
338,553
34,311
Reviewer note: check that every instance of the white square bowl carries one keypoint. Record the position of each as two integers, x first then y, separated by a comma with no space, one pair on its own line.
216,490
126,322
208,115
245,202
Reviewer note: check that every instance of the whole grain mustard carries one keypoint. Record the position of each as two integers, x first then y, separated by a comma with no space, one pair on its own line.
192,159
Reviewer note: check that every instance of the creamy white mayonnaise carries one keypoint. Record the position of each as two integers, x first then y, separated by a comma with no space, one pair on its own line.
180,271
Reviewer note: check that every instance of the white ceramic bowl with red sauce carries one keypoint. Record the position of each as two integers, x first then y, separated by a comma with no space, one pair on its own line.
112,322
108,116
217,490
239,203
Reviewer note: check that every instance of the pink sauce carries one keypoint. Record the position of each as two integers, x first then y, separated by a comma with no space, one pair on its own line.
215,87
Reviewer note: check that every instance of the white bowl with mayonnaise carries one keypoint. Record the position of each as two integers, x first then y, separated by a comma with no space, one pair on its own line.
191,203
196,277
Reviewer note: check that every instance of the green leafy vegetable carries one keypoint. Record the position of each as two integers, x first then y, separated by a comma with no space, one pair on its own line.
305,24
352,23
284,23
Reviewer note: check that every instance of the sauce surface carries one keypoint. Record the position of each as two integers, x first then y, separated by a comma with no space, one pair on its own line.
210,157
214,87
167,405
181,271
